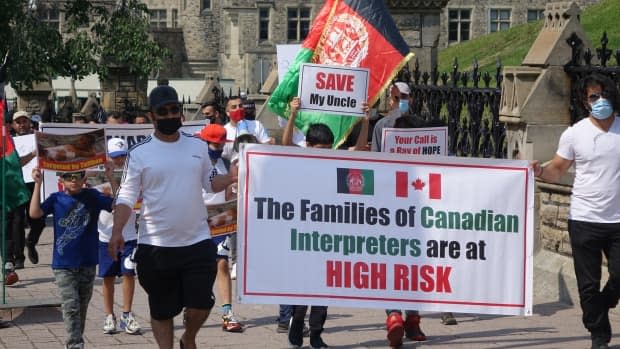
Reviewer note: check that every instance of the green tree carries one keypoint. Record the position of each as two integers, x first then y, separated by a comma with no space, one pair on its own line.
95,35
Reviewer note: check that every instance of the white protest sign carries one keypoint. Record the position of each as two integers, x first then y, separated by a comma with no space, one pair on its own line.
333,89
25,145
361,229
416,141
132,133
285,56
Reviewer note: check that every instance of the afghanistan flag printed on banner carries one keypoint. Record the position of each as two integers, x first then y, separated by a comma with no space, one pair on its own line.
355,181
353,33
13,191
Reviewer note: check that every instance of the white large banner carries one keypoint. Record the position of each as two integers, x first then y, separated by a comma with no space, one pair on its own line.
132,133
359,229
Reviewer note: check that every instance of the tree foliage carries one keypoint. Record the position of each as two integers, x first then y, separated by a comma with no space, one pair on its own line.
95,36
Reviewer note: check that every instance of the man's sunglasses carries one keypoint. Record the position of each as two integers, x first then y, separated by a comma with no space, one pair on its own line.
74,176
163,111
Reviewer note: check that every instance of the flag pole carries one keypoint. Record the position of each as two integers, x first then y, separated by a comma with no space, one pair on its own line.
3,202
3,205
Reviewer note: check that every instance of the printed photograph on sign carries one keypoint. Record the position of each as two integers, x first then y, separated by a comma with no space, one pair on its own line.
71,152
333,89
222,218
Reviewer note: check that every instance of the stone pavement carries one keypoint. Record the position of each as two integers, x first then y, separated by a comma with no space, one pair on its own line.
37,323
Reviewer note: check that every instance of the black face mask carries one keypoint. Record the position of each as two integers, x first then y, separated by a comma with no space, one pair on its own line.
168,126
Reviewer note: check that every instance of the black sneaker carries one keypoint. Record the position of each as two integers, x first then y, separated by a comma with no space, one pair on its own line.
32,253
19,264
448,319
316,342
296,334
598,343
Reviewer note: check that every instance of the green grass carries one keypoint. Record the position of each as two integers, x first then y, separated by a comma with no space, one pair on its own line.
512,45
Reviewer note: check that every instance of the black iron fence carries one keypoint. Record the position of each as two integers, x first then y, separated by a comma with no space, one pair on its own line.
581,65
467,101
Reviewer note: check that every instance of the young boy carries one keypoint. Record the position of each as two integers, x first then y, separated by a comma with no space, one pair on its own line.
215,136
317,136
76,212
123,266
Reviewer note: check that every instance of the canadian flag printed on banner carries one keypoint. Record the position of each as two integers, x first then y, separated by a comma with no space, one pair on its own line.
432,184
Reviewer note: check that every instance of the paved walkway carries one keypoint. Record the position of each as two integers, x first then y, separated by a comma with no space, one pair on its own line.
39,325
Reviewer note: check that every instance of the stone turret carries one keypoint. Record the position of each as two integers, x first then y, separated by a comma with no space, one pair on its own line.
535,107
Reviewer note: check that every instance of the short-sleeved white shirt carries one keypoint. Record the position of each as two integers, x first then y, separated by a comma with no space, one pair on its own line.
169,175
596,190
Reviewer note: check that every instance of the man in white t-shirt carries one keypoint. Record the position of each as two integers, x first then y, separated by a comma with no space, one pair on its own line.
594,219
175,256
238,124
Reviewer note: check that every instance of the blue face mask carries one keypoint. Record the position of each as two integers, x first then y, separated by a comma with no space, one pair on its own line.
601,109
403,106
215,154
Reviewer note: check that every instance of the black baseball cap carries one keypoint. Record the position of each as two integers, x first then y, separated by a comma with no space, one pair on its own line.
162,95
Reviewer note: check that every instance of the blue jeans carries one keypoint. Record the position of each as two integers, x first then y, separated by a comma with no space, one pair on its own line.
286,313
76,289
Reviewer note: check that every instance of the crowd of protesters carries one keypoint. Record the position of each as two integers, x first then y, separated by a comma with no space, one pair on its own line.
117,233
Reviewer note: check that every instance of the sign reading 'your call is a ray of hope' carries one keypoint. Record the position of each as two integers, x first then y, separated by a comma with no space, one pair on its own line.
381,230
333,89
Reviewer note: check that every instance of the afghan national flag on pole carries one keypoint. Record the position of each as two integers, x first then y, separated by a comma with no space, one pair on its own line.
13,191
354,33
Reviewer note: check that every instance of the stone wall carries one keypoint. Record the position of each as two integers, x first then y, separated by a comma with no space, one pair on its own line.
173,40
554,204
119,87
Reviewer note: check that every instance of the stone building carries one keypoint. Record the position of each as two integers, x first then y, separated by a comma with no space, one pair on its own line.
236,40
463,20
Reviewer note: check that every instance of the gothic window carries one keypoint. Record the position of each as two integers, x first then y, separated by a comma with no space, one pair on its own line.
206,5
158,19
459,24
535,15
499,19
52,18
298,19
263,23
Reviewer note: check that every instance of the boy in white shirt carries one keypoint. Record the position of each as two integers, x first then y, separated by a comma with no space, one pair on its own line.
124,265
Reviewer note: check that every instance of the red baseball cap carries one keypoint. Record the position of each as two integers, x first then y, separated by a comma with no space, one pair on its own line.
213,133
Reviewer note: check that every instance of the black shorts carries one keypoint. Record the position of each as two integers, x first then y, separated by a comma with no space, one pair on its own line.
177,277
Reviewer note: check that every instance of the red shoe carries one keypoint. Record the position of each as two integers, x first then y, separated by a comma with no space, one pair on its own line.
230,324
412,328
11,278
395,329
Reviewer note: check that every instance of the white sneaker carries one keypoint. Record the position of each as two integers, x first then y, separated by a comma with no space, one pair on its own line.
109,325
233,272
129,324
